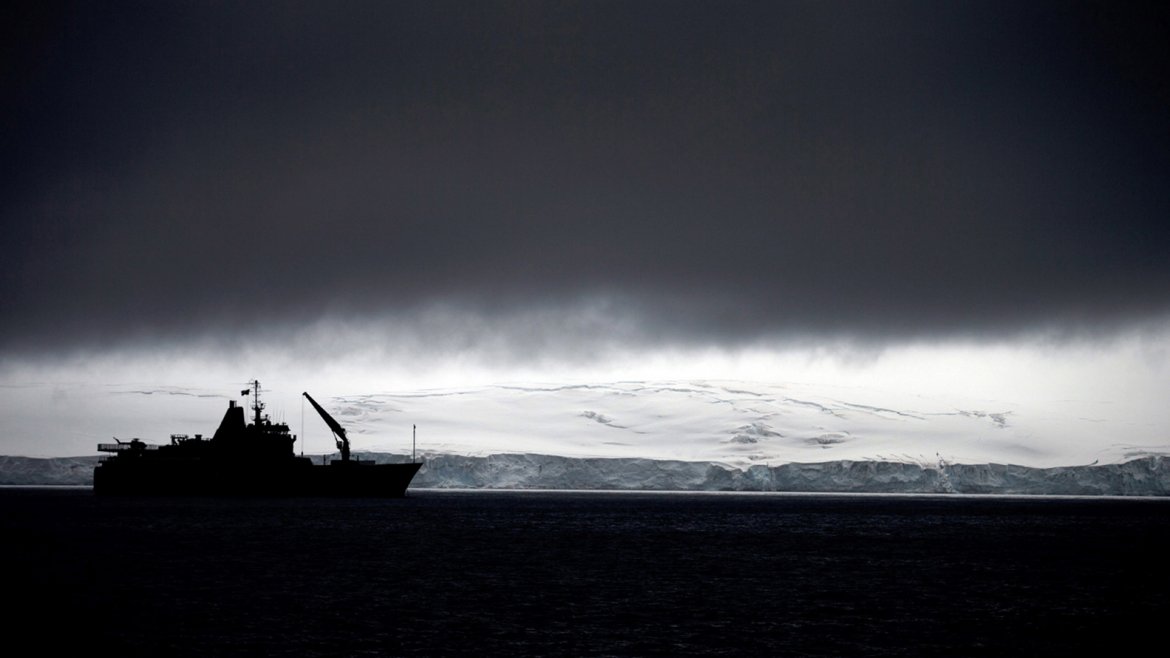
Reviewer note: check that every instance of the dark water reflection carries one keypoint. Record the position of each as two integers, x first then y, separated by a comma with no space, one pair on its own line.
444,573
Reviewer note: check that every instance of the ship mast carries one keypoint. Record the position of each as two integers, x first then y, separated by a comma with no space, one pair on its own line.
257,406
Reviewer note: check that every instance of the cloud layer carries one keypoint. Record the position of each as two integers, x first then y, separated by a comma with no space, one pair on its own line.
642,172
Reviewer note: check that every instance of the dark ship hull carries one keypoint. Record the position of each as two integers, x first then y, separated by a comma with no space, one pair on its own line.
241,459
298,478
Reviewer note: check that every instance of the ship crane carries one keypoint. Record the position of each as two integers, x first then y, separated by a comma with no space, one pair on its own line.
338,431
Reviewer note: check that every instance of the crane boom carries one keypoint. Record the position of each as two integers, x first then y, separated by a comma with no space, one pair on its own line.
338,431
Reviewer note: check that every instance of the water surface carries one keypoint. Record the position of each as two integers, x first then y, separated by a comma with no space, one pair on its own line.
586,573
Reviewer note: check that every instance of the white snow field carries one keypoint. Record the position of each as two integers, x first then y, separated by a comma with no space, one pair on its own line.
738,424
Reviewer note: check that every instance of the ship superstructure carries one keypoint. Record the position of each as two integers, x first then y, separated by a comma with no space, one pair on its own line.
243,458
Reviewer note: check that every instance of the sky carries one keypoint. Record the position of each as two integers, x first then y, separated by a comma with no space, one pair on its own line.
969,196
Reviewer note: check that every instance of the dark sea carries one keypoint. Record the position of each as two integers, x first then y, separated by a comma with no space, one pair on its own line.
583,574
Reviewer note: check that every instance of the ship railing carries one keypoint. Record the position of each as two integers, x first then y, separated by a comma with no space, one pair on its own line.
125,447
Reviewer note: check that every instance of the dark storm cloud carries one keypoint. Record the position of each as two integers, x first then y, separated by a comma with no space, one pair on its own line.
713,171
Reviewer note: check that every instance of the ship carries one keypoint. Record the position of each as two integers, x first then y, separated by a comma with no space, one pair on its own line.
245,459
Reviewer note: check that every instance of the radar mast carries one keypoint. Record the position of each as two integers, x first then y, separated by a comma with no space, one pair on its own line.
257,405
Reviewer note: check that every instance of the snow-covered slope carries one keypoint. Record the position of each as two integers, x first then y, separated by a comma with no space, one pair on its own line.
741,424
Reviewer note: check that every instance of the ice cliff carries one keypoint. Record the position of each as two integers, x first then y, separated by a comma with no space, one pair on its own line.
1148,476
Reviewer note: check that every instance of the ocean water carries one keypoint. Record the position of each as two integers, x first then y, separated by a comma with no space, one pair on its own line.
583,573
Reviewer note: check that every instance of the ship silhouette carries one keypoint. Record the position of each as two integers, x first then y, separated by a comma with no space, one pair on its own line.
244,459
